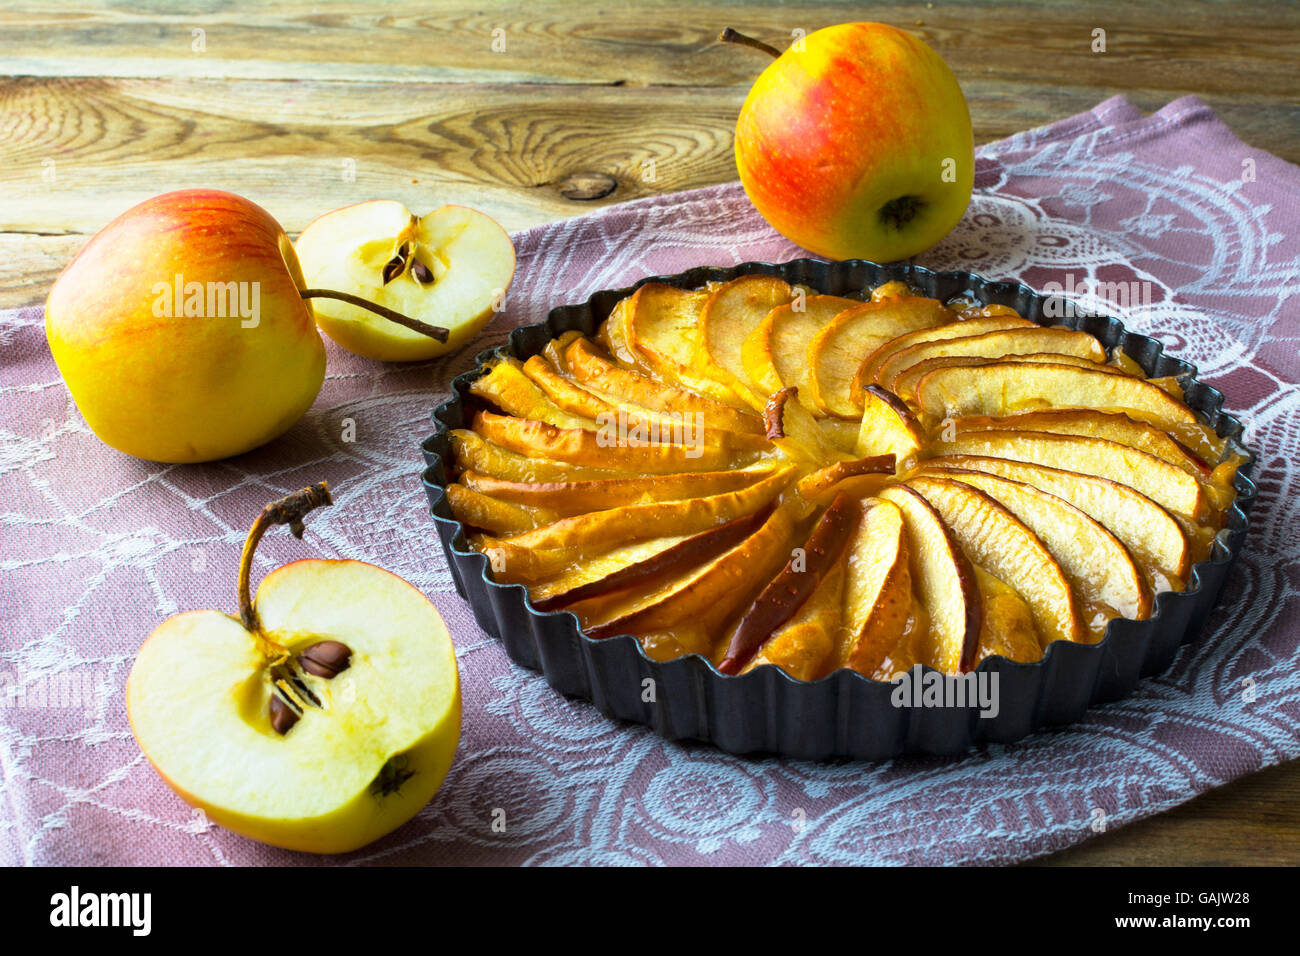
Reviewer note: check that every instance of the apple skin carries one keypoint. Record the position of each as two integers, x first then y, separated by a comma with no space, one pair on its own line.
185,389
863,115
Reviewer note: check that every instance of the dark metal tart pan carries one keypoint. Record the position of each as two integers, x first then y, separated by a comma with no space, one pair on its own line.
844,714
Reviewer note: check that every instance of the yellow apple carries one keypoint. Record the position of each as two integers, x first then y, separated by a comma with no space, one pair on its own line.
180,331
323,717
450,268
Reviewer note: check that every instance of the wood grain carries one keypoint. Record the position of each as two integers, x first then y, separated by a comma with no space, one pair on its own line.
306,105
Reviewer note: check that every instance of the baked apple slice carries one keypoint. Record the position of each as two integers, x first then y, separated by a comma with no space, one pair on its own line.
944,583
1150,533
1007,342
504,384
878,587
644,562
612,336
535,555
1113,426
477,510
867,371
792,429
773,354
1007,627
995,539
1167,485
785,594
1105,579
733,311
888,427
804,647
633,452
861,479
905,382
1004,388
566,498
835,352
469,452
598,373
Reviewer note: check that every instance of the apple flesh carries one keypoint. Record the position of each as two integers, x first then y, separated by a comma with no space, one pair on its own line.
368,743
450,268
858,145
233,367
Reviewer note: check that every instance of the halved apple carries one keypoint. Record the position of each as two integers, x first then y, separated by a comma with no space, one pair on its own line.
1148,531
997,540
944,583
449,268
878,588
866,373
731,312
835,352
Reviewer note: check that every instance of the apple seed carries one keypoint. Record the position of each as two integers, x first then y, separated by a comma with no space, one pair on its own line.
421,272
396,265
283,716
326,659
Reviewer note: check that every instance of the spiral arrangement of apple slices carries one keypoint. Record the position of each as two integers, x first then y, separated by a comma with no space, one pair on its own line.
761,474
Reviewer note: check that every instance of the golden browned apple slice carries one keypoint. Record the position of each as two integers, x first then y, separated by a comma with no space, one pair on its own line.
1019,341
888,427
1113,426
785,594
1149,532
804,646
905,382
605,448
505,385
997,540
663,329
469,452
944,584
478,510
792,428
644,562
535,555
566,498
597,410
612,335
866,373
1167,485
597,372
732,311
835,352
1105,579
972,312
878,587
859,479
1007,629
1004,388
695,604
773,354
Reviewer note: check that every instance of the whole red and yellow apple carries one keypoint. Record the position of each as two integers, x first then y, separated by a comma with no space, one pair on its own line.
856,143
181,332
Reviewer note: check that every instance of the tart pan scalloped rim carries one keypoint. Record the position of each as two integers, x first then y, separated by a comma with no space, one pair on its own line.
844,714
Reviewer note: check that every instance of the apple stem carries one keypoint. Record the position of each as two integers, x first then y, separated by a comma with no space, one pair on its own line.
290,510
735,36
415,325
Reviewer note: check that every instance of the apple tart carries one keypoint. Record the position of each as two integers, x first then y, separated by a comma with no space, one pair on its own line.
759,474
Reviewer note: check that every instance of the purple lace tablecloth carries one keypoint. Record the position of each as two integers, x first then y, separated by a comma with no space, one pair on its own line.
97,548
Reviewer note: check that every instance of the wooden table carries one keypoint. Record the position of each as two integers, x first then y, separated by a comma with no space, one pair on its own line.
540,111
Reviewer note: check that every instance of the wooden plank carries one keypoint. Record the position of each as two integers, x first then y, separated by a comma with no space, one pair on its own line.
1243,48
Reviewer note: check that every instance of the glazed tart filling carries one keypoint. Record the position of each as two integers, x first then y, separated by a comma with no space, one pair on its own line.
763,475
